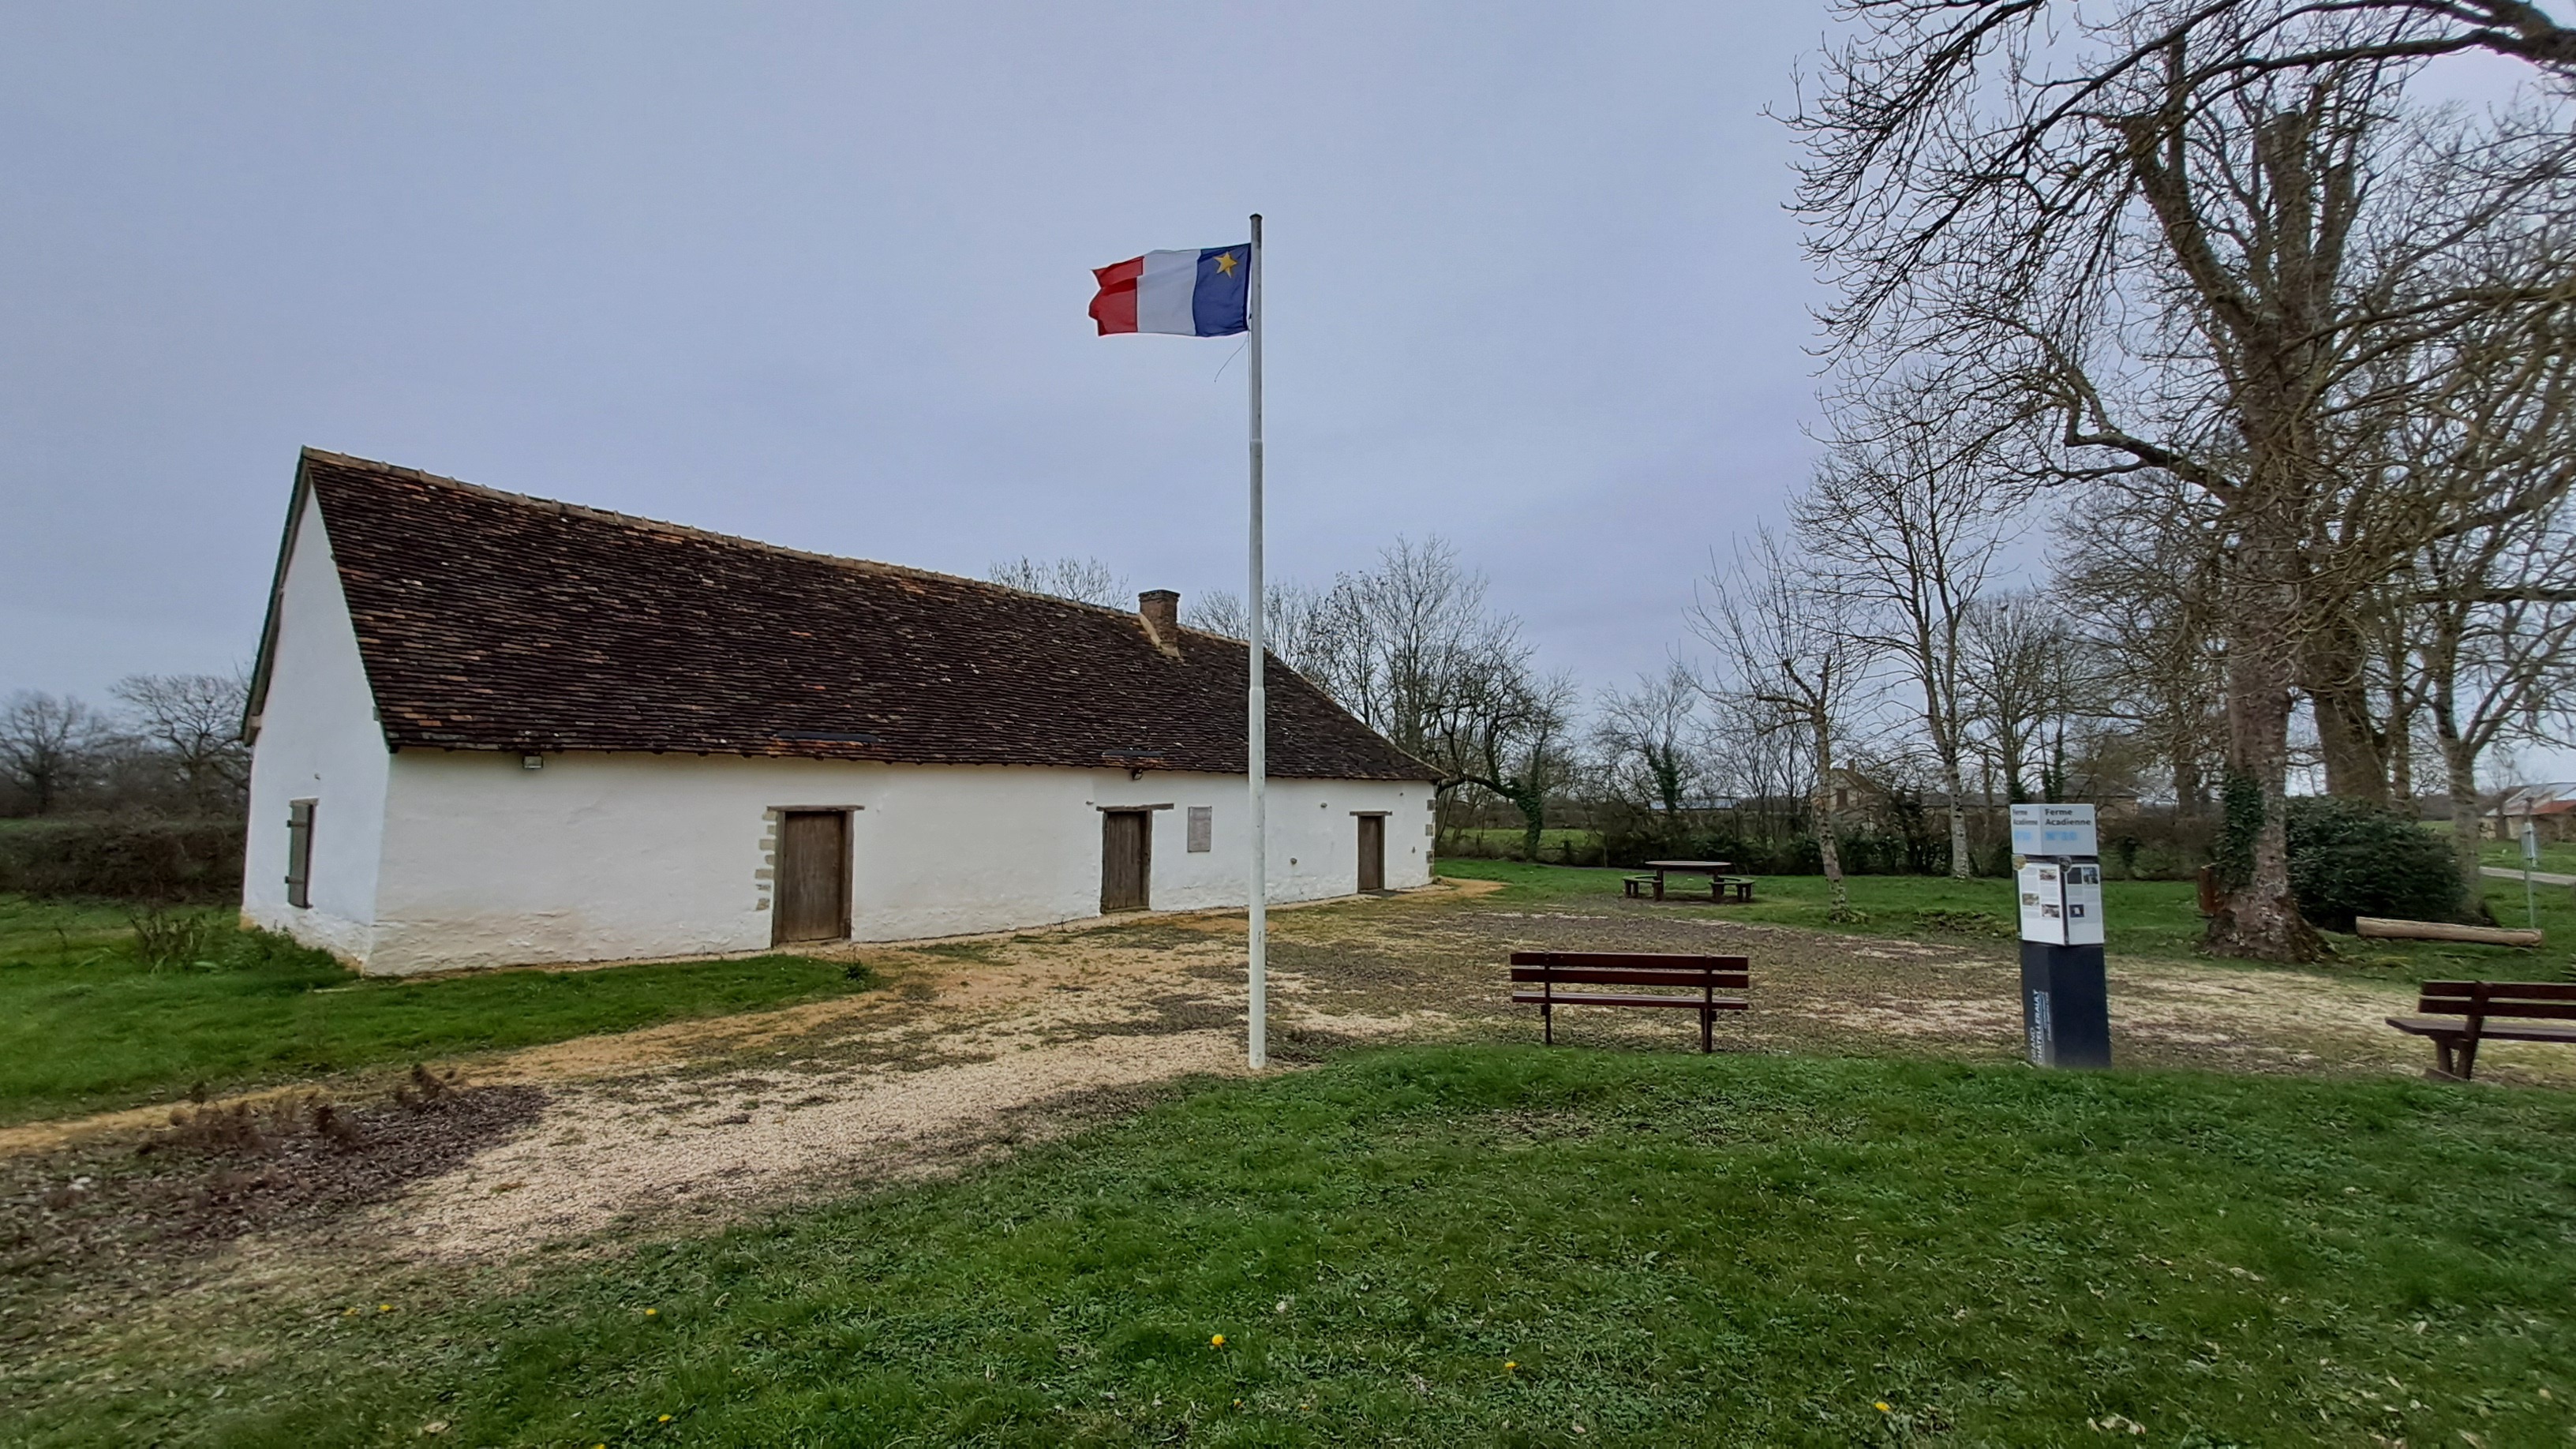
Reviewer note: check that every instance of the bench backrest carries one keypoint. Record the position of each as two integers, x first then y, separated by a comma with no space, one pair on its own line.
1632,968
2548,1000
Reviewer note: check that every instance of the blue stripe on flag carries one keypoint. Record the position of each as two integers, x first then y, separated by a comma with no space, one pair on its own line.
1218,305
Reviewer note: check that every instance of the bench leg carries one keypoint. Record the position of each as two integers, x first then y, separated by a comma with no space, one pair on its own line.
2468,1058
1706,1019
2458,1055
1547,1022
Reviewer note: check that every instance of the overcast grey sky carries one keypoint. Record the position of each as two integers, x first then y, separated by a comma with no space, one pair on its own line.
817,274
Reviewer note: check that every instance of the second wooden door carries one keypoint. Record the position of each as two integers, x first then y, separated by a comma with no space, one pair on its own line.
1372,852
1126,860
813,876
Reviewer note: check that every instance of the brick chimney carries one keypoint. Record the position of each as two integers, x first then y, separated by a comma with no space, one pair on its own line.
1161,611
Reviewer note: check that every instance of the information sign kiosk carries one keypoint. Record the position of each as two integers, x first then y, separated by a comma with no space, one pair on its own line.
2065,1004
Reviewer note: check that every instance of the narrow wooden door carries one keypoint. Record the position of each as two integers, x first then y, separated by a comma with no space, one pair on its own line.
1126,860
1372,852
813,876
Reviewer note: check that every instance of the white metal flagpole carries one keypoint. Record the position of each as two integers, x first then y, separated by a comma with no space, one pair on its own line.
1256,744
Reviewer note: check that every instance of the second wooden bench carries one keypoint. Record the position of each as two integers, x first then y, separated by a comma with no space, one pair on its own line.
1682,983
2458,1015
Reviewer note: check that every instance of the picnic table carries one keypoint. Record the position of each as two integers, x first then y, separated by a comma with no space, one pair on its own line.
1715,870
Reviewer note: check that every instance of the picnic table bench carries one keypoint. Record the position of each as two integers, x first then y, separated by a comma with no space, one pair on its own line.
1719,882
2457,1015
1536,975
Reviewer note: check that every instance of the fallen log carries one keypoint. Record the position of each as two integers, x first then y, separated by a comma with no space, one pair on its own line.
2379,928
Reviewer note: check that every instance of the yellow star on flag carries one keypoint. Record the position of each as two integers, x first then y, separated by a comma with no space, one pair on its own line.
1225,263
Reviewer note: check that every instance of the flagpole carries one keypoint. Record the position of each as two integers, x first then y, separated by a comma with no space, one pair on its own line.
1256,743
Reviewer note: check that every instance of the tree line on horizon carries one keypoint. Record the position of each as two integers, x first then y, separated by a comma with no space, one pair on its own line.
171,745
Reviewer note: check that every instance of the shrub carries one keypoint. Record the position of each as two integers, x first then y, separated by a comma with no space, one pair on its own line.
2352,858
127,857
170,940
1965,923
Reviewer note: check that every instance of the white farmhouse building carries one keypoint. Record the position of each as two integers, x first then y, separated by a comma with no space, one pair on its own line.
491,730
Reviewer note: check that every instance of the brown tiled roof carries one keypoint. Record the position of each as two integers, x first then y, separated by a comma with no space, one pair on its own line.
493,621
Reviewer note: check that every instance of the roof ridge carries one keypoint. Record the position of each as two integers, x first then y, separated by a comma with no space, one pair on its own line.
637,520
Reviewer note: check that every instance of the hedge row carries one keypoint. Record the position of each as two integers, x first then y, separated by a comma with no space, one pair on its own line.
125,857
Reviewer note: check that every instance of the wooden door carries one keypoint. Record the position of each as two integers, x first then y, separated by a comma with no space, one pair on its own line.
813,876
1126,860
1372,852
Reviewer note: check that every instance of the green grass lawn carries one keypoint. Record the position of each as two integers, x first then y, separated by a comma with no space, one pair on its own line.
1523,1246
2142,919
84,1024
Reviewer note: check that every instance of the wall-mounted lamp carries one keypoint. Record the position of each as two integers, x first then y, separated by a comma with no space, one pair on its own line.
532,762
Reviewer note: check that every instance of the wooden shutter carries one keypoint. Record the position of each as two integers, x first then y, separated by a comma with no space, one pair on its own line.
1372,852
1126,860
813,876
1202,828
299,853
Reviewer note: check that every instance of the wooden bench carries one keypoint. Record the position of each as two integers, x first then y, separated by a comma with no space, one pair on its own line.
2457,1015
1634,887
1742,885
1536,975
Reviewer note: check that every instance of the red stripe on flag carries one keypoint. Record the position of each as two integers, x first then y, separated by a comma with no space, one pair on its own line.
1115,308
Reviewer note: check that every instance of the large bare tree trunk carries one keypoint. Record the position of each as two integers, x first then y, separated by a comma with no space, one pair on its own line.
2349,740
2460,760
2256,916
2191,792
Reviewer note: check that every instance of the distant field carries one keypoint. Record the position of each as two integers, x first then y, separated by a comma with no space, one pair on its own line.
84,1024
2142,918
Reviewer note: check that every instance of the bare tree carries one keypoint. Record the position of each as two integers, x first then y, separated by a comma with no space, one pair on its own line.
2016,646
2185,231
46,745
1411,649
2137,572
1083,580
1296,623
1509,733
1791,656
194,722
2496,632
1761,766
1648,739
1909,504
1404,644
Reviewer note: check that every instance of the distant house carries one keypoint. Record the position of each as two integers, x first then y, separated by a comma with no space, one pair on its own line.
2551,809
490,730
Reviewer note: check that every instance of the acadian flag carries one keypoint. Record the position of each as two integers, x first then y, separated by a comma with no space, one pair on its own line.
1193,294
